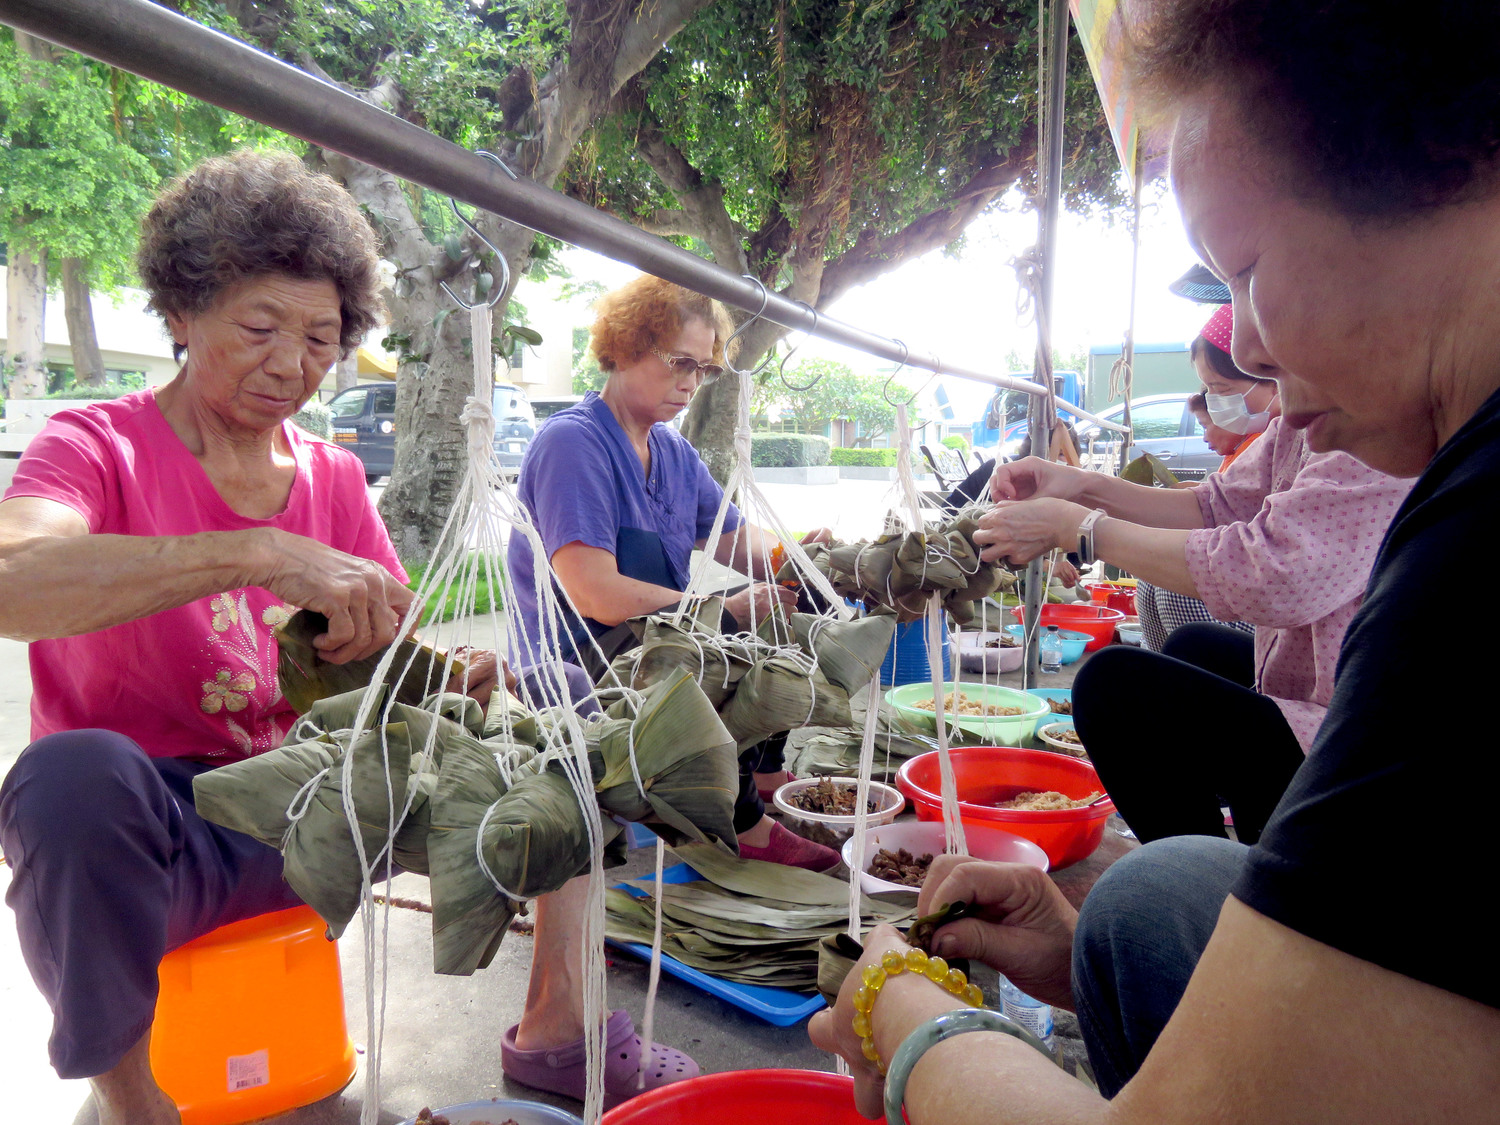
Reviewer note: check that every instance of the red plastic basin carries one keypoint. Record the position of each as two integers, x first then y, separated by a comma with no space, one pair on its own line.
745,1097
1114,595
1096,620
987,774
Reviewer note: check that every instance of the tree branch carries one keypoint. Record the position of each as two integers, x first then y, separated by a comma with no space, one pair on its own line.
873,254
702,200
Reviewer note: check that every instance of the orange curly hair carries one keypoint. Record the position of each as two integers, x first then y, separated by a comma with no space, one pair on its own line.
649,311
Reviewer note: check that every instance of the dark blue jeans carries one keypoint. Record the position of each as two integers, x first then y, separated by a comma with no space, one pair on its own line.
1140,934
112,869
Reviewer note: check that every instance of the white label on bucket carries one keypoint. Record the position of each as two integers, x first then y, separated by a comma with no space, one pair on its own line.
249,1071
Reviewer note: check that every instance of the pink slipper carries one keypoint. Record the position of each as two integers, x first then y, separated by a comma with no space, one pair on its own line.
561,1070
767,794
791,850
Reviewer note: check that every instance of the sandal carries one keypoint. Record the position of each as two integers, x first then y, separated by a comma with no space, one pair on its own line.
562,1069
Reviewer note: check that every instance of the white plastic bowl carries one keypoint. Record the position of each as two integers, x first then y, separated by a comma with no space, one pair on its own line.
1047,735
973,653
923,836
496,1110
825,828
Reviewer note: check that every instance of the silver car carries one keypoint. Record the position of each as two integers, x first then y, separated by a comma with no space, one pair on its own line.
1164,427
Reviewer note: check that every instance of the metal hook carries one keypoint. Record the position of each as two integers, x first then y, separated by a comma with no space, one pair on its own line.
937,369
885,391
496,291
765,298
781,371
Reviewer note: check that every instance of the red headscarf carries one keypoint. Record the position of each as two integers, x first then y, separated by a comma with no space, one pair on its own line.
1220,327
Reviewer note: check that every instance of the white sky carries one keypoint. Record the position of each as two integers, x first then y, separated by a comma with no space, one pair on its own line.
964,309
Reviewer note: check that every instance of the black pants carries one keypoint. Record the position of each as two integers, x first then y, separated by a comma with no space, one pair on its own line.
1175,734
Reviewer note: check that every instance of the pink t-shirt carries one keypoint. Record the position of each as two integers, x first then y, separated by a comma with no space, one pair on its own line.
198,681
1289,539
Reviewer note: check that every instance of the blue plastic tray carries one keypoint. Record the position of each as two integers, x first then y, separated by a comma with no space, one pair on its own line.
778,1006
1049,693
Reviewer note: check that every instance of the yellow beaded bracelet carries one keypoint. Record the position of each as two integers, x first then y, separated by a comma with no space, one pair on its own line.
893,964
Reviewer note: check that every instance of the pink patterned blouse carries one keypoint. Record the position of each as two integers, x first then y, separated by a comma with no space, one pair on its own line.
1288,541
198,681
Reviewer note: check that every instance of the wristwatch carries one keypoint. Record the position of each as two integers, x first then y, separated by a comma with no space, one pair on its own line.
1086,536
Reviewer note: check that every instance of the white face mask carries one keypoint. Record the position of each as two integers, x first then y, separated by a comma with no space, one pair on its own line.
1232,413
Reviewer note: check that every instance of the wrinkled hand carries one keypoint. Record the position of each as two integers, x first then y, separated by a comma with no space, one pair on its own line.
1023,928
1019,531
481,674
362,600
1031,478
1065,572
766,596
832,1030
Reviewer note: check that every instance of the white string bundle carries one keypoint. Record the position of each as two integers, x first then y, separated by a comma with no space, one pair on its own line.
467,549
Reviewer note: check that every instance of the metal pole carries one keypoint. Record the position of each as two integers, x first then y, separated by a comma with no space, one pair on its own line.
149,40
1043,412
1127,353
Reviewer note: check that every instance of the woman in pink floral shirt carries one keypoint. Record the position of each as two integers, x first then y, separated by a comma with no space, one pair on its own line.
1283,540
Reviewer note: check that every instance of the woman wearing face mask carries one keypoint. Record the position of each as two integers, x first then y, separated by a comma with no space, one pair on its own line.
1237,403
1282,543
1234,409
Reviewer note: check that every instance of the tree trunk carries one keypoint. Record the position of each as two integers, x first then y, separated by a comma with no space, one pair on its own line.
25,321
346,374
78,309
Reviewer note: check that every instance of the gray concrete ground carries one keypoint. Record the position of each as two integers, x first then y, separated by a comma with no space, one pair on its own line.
442,1034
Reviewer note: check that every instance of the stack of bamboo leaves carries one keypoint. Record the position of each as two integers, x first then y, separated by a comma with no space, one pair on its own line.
747,921
481,802
796,671
898,571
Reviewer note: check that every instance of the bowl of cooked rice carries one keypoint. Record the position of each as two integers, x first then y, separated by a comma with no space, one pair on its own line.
1045,797
987,712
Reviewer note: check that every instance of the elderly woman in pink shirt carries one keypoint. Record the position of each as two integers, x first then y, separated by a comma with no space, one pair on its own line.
1283,540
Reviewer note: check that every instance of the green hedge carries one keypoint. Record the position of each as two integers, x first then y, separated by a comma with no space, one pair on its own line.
315,418
958,442
864,458
787,451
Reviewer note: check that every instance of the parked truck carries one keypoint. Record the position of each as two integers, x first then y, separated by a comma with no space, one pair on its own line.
1004,424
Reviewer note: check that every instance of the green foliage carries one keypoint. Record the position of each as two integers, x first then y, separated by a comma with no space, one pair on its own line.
446,605
70,183
864,458
788,451
958,442
84,147
868,112
836,391
316,419
118,383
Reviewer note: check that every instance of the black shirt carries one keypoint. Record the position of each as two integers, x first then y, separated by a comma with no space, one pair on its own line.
1381,846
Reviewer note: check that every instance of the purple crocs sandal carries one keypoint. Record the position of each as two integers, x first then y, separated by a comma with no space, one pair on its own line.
562,1069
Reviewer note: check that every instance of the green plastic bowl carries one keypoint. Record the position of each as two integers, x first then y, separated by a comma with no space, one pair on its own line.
1001,730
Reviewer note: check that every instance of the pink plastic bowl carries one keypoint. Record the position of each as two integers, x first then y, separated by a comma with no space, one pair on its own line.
986,774
1096,620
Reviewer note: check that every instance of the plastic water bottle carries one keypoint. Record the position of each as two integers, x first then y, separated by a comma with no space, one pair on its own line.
1030,1013
1051,647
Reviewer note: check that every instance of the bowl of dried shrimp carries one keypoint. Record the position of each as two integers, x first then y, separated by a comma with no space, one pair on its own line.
1048,798
901,852
822,809
987,712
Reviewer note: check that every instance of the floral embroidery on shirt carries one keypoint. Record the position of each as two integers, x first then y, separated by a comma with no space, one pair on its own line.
227,691
226,612
239,639
277,615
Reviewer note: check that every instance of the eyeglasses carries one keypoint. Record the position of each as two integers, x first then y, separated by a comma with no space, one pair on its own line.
681,365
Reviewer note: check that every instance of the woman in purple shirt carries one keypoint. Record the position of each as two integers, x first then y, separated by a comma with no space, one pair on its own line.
621,499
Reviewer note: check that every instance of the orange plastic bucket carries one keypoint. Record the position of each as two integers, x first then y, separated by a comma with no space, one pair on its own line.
745,1097
250,1020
